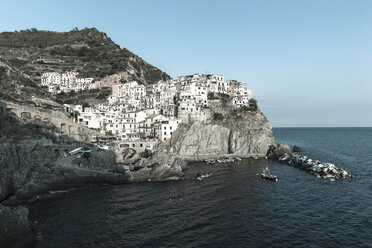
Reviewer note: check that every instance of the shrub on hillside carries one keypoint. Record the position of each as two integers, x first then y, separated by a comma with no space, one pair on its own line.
217,116
253,104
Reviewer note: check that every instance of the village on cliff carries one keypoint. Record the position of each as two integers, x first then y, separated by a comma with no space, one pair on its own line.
141,116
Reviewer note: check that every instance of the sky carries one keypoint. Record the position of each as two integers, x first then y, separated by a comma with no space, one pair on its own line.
307,62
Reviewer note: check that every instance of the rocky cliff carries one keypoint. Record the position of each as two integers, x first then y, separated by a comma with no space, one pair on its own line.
37,166
230,132
15,229
34,141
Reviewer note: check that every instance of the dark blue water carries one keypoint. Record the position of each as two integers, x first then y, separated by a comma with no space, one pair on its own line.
232,208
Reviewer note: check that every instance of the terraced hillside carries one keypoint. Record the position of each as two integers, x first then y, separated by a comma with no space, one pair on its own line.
25,55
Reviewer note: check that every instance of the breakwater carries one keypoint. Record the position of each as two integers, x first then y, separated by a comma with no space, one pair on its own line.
315,167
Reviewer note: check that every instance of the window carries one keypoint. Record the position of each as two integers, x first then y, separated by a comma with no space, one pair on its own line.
170,128
165,133
141,145
134,145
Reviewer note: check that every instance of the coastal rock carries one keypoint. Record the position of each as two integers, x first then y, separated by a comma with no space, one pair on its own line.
315,167
36,166
160,166
297,149
15,229
200,141
29,168
248,135
275,151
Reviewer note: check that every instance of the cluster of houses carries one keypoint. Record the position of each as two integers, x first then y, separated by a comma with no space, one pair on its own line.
65,82
139,116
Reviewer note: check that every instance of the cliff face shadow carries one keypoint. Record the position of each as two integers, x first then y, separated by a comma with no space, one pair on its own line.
29,150
33,126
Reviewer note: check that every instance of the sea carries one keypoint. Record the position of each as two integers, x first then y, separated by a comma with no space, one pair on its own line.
233,207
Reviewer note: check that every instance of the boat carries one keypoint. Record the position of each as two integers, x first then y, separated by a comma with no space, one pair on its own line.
266,175
229,160
103,147
75,151
202,176
237,158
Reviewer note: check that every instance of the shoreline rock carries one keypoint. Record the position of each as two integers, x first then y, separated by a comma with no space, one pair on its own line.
315,167
31,168
246,137
15,228
275,151
297,149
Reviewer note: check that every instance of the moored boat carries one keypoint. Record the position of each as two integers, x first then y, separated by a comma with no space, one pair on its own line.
266,175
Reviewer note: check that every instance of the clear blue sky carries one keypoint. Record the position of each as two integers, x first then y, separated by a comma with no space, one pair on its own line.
308,62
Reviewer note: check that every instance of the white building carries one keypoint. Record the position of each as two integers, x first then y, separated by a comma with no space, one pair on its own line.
50,78
68,79
241,101
83,84
167,129
131,89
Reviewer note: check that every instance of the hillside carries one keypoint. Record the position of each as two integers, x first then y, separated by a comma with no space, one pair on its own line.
25,55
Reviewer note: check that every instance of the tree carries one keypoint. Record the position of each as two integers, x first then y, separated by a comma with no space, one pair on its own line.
217,116
252,104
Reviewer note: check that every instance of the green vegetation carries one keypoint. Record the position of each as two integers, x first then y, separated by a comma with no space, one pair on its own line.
26,54
10,126
217,116
212,96
86,97
253,104
15,86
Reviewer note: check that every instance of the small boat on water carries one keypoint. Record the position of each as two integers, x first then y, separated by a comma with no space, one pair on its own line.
237,158
202,176
266,175
229,160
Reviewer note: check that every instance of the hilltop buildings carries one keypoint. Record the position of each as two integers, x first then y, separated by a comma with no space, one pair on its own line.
139,114
65,82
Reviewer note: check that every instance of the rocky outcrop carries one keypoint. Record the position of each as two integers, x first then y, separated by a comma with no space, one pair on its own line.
315,167
37,166
247,135
297,149
27,168
160,166
15,228
275,151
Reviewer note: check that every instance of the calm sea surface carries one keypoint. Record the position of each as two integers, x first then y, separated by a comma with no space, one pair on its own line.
232,208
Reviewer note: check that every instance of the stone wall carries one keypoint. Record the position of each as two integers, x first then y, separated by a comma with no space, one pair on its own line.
64,126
